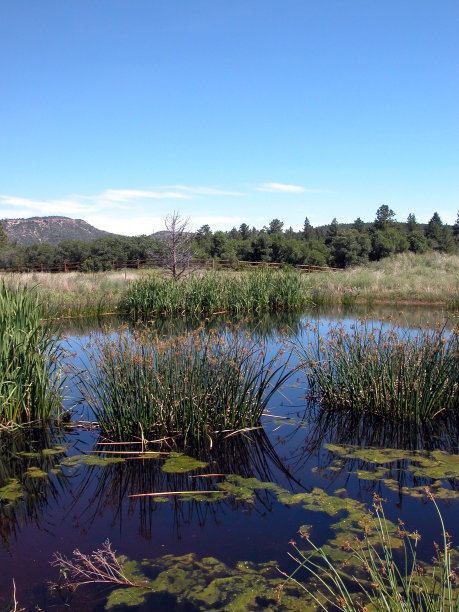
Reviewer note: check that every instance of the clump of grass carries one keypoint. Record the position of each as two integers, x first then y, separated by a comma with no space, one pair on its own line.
260,290
30,383
388,585
194,385
406,278
400,374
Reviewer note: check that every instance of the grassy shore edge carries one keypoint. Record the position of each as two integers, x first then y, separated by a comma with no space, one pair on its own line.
430,279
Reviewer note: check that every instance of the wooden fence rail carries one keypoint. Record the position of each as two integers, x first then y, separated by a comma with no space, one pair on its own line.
207,264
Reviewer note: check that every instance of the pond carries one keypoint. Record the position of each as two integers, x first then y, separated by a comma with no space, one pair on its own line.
221,532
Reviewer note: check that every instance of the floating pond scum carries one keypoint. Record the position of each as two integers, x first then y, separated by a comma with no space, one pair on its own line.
198,526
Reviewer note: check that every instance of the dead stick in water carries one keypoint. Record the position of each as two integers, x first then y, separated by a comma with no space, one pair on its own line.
104,452
165,494
244,430
206,475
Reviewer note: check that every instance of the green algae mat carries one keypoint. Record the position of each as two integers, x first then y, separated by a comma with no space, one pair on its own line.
208,584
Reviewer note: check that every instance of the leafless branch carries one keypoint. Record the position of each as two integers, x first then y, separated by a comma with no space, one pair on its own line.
178,251
100,566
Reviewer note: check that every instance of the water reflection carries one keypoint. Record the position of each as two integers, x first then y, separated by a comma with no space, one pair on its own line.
366,454
301,449
30,479
250,455
346,427
265,325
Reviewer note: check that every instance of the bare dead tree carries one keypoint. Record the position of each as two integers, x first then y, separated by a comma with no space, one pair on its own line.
178,252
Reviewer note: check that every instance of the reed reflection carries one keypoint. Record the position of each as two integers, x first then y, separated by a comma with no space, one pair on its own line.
194,496
30,478
403,456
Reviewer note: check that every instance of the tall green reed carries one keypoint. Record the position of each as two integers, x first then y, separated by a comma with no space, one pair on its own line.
404,375
30,380
259,290
375,577
194,385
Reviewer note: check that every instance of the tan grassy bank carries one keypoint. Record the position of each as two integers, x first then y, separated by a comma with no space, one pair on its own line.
429,278
75,293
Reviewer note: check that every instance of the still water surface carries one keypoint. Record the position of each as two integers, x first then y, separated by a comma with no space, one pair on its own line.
53,503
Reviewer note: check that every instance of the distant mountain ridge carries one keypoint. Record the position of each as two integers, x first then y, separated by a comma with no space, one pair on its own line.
49,229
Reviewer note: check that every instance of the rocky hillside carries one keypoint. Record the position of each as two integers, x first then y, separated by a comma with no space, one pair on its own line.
49,229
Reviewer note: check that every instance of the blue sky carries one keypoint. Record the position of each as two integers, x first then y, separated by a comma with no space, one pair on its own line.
230,111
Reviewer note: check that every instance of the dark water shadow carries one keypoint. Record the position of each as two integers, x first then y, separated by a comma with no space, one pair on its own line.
249,455
30,479
345,448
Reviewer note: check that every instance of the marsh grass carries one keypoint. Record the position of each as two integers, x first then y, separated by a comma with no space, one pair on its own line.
260,290
428,278
30,381
194,385
404,375
389,582
75,293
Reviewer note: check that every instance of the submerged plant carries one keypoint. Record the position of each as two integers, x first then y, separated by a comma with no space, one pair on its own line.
187,581
30,381
387,583
195,385
403,375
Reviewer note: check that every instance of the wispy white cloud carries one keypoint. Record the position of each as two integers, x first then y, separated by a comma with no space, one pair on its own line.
126,199
282,188
130,195
131,226
204,190
83,204
135,226
68,206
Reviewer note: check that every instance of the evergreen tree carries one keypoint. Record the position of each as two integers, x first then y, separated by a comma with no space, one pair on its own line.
332,230
244,230
359,225
384,217
275,227
3,237
278,243
349,247
260,248
417,241
411,223
308,230
434,227
218,244
386,242
446,242
234,234
456,228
